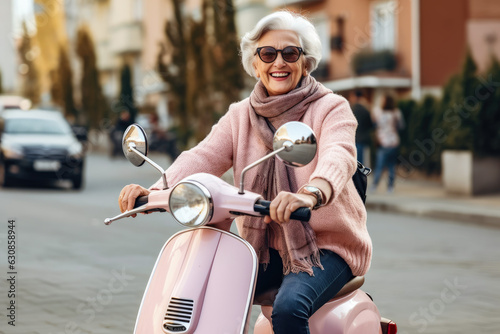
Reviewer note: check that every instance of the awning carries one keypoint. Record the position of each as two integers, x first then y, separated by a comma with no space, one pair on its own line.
367,82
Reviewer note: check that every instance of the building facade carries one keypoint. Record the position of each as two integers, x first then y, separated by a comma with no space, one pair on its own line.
8,58
410,47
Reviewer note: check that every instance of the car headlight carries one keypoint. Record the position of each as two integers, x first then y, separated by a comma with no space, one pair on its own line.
191,204
12,151
75,150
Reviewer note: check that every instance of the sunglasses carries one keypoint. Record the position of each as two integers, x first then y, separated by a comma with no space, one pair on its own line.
290,54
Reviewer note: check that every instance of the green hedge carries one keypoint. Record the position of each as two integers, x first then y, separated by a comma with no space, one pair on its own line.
466,117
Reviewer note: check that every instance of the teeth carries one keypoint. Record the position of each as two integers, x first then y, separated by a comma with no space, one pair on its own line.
279,75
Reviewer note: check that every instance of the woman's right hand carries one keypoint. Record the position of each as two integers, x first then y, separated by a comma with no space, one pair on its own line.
128,195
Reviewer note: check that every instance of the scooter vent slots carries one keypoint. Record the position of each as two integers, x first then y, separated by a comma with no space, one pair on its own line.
178,315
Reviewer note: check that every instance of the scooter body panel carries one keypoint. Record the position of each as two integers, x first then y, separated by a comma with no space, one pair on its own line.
354,313
203,282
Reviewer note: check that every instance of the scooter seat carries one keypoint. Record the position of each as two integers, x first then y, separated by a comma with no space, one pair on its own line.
267,298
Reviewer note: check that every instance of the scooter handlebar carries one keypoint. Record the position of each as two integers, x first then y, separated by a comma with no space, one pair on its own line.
302,214
141,200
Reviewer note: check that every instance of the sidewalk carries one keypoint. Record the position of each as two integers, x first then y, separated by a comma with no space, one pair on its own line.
429,199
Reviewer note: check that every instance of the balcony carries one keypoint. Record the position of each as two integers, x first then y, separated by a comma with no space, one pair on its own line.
126,38
373,61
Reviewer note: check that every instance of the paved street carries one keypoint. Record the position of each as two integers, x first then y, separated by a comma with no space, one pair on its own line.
434,276
76,275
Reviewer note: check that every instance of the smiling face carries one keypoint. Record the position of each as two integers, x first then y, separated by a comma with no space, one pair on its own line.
279,77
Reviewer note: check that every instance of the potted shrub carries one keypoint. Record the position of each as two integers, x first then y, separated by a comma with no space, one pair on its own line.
471,119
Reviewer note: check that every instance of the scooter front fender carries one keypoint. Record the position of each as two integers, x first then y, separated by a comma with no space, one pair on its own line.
203,282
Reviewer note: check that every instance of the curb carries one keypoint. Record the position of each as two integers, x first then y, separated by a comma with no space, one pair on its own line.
468,217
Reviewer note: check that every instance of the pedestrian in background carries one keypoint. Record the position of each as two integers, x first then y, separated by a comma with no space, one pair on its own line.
389,121
116,134
365,124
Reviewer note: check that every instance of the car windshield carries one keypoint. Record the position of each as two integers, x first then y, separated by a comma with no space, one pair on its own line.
36,126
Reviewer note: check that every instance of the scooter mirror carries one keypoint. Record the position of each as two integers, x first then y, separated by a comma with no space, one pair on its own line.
299,141
135,139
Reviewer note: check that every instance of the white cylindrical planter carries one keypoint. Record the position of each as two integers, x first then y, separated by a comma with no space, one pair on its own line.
465,174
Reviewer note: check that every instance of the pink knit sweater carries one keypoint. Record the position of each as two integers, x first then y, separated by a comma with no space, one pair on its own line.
340,226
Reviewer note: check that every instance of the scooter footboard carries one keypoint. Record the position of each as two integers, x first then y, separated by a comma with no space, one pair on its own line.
203,282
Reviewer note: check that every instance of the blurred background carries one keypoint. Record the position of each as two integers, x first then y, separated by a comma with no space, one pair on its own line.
173,66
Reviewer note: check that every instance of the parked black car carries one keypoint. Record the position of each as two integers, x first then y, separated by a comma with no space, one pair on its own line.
39,145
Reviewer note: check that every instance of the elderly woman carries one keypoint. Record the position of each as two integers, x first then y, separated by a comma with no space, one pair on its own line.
310,262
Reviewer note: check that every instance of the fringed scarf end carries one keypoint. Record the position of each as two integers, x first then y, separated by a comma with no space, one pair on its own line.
301,265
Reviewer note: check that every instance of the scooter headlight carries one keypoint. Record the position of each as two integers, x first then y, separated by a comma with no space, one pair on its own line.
191,204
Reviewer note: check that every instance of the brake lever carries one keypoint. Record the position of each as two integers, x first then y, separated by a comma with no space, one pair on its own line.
126,214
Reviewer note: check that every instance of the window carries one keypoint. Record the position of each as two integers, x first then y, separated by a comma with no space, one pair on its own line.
322,25
383,21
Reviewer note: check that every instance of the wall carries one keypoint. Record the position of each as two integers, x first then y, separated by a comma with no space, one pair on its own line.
483,31
8,54
404,37
357,33
442,39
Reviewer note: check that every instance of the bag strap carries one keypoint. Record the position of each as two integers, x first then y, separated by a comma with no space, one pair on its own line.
363,169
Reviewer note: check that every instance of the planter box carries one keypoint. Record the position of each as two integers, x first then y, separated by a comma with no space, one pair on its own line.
465,174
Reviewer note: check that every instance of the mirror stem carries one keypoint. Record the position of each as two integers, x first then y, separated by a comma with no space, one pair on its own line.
261,160
152,163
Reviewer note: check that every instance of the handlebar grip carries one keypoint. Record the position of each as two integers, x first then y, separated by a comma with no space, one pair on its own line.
141,200
302,214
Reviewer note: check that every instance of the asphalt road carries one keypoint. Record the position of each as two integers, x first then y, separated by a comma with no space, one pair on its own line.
75,275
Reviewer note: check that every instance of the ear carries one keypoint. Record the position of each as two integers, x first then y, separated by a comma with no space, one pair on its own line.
257,75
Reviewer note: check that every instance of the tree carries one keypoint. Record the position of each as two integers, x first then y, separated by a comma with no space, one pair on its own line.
66,76
30,86
459,112
487,138
203,74
94,105
61,89
126,98
467,117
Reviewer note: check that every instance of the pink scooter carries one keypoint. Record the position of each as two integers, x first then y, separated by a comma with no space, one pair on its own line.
204,278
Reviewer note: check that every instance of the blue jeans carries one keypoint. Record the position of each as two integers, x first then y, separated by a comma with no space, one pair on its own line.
360,148
300,295
386,157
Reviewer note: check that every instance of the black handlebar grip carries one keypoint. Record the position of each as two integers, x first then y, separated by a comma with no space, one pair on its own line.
141,200
302,214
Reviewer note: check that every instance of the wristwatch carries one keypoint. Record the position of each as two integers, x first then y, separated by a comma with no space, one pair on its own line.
312,190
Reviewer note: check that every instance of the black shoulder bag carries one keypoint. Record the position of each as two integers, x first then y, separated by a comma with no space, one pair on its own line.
360,180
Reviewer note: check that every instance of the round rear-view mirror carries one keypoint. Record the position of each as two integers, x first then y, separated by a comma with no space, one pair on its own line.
135,137
299,141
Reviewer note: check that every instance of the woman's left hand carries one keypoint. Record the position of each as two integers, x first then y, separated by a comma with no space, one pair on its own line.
285,203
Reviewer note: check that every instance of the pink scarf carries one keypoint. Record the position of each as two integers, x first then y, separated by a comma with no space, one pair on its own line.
295,241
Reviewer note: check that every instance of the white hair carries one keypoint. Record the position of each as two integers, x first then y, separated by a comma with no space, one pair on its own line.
282,20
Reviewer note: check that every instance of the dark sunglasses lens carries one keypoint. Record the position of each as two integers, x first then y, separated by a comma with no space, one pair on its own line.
291,53
268,54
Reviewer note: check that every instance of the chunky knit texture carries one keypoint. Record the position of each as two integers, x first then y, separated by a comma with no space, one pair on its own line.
340,226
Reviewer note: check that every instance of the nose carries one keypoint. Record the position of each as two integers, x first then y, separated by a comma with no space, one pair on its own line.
279,61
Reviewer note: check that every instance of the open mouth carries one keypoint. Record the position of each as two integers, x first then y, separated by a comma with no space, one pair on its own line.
280,74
